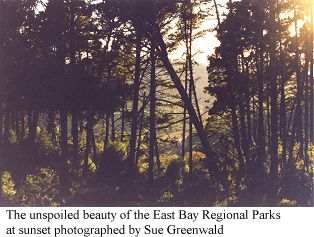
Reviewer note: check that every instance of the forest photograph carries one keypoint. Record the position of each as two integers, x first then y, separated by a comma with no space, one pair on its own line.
156,103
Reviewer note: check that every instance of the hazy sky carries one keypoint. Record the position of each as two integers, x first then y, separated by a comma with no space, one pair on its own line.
206,44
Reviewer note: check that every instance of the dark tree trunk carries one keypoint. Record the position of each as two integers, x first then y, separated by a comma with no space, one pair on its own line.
33,126
152,111
113,129
245,144
106,141
75,136
51,126
1,126
184,114
306,118
157,154
94,147
299,97
23,133
131,157
122,123
17,126
273,96
139,140
283,124
260,127
89,127
236,134
6,126
217,13
190,132
311,78
64,176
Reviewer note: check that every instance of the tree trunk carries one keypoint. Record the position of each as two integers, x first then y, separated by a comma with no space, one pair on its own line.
113,129
139,140
122,122
89,127
283,124
217,13
64,179
1,127
33,127
184,114
311,78
6,127
17,126
75,136
131,157
260,172
106,141
190,130
94,146
51,126
152,111
273,96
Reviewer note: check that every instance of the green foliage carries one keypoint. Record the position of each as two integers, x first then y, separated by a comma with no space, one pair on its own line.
111,166
40,189
44,139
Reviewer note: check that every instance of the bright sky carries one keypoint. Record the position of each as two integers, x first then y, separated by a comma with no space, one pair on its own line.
205,45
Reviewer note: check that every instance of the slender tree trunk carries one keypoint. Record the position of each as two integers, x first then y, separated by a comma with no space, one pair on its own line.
157,154
247,98
131,157
139,140
23,133
64,179
268,119
17,126
254,127
184,126
299,96
273,97
311,78
217,13
51,126
107,130
306,118
260,127
185,87
75,136
122,123
113,129
190,131
245,144
1,127
89,127
152,110
33,127
94,147
236,134
6,126
283,123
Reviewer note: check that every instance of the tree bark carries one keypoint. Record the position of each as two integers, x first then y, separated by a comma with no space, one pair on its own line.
89,127
152,110
273,96
131,157
64,177
75,136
